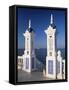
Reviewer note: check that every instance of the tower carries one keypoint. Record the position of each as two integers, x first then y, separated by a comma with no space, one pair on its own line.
29,60
51,50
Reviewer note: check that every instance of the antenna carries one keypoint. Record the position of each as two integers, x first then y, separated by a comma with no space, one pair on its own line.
51,21
29,23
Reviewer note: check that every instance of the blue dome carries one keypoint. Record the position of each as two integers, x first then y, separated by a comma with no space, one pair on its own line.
53,26
30,30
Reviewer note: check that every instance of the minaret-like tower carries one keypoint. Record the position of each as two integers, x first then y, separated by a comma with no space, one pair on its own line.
51,50
29,60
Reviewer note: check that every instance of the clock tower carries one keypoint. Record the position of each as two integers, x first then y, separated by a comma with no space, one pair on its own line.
29,59
51,50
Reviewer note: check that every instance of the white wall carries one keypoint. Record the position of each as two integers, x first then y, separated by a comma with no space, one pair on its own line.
4,38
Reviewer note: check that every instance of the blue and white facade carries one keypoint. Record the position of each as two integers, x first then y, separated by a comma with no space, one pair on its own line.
29,59
53,58
51,50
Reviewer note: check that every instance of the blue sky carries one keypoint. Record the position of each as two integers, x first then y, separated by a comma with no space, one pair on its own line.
40,20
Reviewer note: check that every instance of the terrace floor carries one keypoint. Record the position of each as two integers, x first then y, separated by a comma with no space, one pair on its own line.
34,76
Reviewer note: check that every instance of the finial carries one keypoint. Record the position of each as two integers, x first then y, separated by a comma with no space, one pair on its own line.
59,53
51,21
29,23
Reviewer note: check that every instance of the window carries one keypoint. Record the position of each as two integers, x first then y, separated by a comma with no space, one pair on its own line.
50,36
27,38
32,62
50,43
50,53
50,67
27,63
19,60
58,67
27,52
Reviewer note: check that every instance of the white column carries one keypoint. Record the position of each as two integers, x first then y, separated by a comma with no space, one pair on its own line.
29,50
59,65
51,53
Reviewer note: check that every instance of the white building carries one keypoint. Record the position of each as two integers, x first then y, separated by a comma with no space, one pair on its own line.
29,58
53,59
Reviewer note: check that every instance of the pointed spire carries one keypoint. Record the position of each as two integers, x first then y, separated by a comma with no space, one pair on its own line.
51,21
29,23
